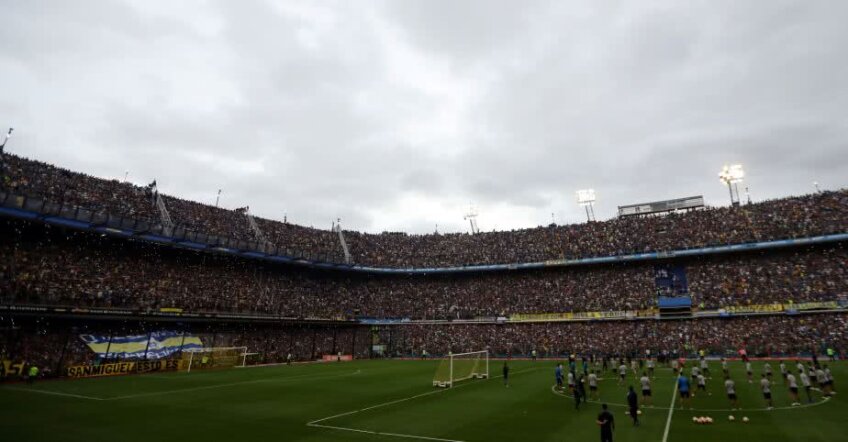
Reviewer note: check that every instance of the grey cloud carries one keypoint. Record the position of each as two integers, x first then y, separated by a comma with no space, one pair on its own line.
334,109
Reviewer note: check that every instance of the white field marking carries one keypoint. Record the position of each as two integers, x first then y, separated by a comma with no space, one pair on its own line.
670,412
407,436
209,387
55,393
316,424
712,410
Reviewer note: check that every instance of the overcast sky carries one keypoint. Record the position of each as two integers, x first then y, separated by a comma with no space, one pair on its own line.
395,115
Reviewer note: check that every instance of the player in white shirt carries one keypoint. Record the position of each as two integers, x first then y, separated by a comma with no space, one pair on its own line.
695,372
571,381
805,381
800,367
646,390
793,386
811,372
651,364
593,385
829,376
675,365
724,366
765,385
730,387
702,384
750,372
783,371
705,368
820,376
767,370
634,366
622,373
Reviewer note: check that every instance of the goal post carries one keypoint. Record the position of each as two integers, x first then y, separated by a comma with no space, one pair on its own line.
214,357
461,366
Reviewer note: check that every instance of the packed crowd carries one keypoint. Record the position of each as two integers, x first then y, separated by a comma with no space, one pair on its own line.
48,266
772,335
821,213
57,346
54,346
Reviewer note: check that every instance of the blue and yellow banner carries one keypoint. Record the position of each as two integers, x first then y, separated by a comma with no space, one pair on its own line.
155,345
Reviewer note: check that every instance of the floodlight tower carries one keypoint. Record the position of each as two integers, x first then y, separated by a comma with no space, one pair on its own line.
732,175
471,217
586,198
5,139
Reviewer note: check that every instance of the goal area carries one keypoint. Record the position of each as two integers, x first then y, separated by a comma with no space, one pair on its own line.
461,366
214,357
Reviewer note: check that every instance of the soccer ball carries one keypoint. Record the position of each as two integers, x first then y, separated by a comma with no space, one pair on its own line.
694,419
745,419
731,418
638,411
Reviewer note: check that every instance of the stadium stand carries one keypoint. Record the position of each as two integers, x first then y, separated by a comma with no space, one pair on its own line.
58,283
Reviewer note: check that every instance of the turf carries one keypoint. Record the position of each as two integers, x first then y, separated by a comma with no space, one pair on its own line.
390,401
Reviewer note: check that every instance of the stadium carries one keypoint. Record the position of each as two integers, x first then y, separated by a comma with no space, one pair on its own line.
162,276
144,301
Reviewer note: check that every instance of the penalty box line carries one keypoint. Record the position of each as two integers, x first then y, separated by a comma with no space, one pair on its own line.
179,390
316,423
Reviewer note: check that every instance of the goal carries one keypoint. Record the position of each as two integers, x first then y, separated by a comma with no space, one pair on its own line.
214,357
461,366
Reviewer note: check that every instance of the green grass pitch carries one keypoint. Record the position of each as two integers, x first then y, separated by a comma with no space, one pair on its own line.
394,401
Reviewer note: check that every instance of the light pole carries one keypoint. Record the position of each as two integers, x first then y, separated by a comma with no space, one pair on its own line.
816,184
5,139
218,198
471,217
732,175
586,198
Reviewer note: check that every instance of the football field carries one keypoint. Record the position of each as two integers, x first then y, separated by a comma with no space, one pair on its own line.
394,401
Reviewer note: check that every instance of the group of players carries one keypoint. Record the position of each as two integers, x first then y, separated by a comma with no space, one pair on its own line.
810,376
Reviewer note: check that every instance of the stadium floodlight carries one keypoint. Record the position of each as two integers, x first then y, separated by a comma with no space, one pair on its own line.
586,198
471,217
5,139
732,175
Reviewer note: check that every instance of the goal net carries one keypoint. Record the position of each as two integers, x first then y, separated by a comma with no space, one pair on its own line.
214,357
461,366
